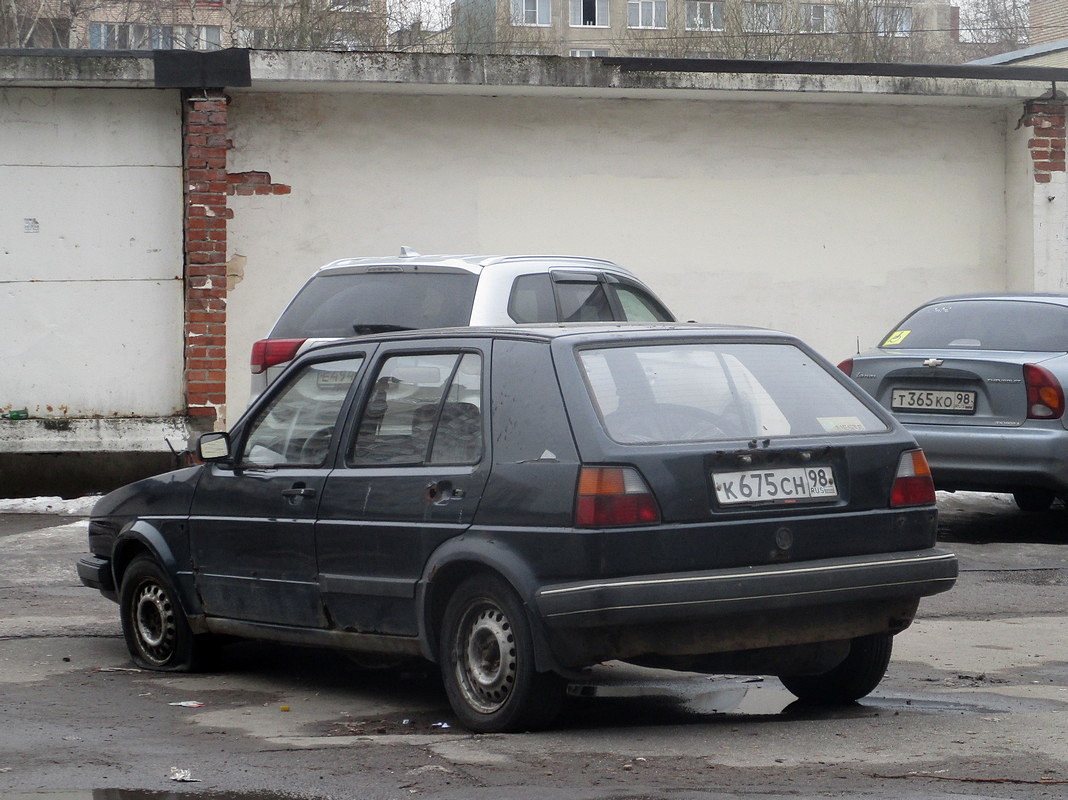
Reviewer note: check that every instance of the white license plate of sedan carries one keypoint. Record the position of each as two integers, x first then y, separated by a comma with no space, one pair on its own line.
788,485
937,401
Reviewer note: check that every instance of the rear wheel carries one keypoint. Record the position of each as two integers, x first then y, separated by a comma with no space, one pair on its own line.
153,623
487,661
1033,499
851,680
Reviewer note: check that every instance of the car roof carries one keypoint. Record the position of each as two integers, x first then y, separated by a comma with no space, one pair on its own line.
475,264
1032,297
588,331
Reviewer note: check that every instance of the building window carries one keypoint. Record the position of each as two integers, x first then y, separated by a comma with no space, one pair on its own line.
587,53
704,16
762,17
893,20
123,36
109,36
530,12
818,18
589,13
647,13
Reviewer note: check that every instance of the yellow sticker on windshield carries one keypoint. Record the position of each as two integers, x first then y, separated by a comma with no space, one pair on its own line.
897,337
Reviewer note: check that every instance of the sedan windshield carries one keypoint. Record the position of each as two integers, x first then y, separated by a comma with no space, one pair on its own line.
984,325
683,391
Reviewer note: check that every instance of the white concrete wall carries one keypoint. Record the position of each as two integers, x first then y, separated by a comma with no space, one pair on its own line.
828,221
91,257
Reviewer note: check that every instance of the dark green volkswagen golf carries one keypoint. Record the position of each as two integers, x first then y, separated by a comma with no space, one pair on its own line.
516,504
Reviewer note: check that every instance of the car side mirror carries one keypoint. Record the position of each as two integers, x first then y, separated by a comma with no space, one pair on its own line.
214,446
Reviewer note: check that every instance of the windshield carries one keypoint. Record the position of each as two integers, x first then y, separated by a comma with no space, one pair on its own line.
705,392
335,305
984,325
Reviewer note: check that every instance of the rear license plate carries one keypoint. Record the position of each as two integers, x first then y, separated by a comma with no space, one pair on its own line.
790,485
329,379
937,401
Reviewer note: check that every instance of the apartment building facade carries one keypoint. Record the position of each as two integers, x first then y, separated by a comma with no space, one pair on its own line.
1049,21
194,24
845,30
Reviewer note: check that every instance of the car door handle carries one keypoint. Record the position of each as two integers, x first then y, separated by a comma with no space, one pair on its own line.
443,492
298,492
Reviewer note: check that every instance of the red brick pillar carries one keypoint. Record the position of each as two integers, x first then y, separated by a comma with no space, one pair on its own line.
1047,143
205,142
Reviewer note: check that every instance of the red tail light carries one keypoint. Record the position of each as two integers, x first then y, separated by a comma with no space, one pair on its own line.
271,352
612,496
913,485
1045,398
846,366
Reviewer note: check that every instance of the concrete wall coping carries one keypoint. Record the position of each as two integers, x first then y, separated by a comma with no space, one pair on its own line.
435,74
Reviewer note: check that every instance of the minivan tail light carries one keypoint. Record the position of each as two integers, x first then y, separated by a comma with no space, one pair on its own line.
1045,398
272,352
846,366
613,496
913,484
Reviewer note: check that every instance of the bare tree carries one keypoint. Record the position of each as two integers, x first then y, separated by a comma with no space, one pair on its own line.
1003,23
310,24
37,23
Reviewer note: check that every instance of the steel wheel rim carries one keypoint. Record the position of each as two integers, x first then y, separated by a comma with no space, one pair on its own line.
154,622
485,657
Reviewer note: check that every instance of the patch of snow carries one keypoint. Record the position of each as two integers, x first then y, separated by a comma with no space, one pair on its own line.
79,506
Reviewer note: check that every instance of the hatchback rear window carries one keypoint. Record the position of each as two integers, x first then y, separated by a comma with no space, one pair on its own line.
706,392
984,325
349,304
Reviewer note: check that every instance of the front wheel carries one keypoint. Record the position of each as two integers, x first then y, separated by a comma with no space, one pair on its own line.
854,678
153,623
487,661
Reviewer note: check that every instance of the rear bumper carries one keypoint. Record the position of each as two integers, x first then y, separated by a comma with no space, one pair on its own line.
975,458
655,599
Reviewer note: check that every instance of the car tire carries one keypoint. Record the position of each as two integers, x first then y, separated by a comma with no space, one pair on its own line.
154,625
1033,499
854,678
487,661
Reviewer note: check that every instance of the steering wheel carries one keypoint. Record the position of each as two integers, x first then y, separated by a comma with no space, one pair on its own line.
315,447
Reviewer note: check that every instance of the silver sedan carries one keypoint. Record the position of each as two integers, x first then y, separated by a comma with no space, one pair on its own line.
978,380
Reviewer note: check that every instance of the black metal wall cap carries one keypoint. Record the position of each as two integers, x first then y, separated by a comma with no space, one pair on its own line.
194,69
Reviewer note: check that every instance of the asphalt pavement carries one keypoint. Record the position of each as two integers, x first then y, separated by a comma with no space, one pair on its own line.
974,704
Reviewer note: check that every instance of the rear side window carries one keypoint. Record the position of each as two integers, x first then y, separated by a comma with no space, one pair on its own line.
984,325
575,298
706,392
340,305
424,409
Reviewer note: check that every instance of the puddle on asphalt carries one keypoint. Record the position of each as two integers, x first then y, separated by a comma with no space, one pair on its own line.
733,697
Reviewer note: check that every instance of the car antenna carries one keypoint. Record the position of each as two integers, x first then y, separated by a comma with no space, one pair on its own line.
407,252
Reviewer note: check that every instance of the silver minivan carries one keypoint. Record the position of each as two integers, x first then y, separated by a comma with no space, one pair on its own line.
357,296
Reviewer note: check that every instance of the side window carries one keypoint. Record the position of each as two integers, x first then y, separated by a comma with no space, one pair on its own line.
423,408
296,427
583,301
532,299
639,306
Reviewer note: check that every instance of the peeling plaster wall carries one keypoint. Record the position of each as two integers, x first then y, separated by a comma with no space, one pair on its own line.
90,263
828,221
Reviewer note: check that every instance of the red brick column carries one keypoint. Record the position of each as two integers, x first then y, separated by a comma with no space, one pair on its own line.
1047,143
204,135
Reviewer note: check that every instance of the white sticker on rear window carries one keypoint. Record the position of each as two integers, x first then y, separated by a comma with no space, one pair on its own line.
841,424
